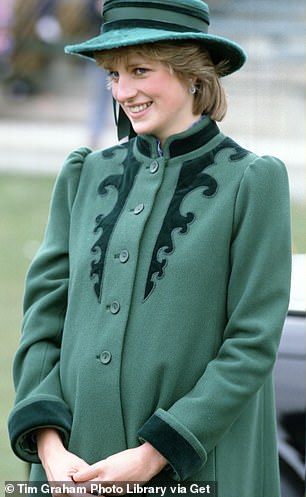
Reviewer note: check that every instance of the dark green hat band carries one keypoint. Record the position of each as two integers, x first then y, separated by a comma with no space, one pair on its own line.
154,15
146,23
173,7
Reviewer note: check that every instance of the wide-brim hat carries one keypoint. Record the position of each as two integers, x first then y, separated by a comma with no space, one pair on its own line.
134,22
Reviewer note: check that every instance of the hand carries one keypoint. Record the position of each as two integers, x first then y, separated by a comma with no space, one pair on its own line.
139,464
59,464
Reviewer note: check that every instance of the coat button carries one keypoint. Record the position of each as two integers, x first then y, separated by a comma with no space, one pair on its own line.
105,357
115,307
124,256
154,166
138,209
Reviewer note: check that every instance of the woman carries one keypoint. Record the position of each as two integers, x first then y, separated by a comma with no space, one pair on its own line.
154,308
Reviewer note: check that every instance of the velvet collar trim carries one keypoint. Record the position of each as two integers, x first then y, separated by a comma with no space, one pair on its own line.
180,144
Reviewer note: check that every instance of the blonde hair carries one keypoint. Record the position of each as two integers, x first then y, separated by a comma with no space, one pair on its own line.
190,62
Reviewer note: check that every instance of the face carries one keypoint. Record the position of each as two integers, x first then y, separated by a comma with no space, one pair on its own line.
155,100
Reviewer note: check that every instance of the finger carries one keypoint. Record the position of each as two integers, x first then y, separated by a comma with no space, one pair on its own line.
85,474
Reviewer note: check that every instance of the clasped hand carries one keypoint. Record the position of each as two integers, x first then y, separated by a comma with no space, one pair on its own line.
139,464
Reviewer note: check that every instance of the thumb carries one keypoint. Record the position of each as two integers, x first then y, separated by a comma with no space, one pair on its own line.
85,474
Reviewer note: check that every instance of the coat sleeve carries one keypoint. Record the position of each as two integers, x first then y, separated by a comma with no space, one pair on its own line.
258,296
39,400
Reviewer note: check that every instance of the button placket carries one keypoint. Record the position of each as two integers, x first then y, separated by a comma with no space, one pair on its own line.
124,246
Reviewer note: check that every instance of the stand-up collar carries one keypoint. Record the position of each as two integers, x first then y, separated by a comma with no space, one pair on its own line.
179,144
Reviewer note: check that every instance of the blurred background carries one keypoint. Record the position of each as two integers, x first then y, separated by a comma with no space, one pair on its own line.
51,103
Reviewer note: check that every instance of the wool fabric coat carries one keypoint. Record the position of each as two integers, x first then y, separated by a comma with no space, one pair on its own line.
154,309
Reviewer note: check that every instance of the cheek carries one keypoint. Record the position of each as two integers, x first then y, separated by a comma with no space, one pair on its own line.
176,96
176,89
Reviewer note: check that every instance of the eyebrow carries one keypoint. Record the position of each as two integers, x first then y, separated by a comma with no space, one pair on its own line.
128,65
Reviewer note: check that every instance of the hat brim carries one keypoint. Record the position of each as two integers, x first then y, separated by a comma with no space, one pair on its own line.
219,48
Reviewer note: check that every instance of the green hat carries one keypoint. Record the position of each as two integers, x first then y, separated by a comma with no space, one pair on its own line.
134,22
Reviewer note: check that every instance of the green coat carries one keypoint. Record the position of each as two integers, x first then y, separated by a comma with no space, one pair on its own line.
154,309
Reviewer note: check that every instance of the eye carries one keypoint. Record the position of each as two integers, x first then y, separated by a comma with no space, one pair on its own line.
140,71
113,76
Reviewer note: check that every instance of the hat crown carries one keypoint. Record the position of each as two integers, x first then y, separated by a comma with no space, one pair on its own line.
169,15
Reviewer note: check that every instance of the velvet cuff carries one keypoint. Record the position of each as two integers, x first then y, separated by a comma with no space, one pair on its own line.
184,453
25,420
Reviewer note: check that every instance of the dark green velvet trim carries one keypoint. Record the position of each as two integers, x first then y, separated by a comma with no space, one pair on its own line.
181,145
42,413
192,175
176,449
149,24
105,224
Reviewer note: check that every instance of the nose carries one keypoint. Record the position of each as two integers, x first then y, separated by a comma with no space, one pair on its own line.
124,89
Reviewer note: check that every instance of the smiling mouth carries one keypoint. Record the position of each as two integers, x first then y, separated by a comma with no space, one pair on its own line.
135,109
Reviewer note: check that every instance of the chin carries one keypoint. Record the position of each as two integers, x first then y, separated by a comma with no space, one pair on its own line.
143,129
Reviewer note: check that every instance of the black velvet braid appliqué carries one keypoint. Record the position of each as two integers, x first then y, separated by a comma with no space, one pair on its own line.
106,224
192,176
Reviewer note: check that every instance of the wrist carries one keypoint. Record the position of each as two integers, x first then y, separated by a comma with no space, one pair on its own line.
49,442
153,458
